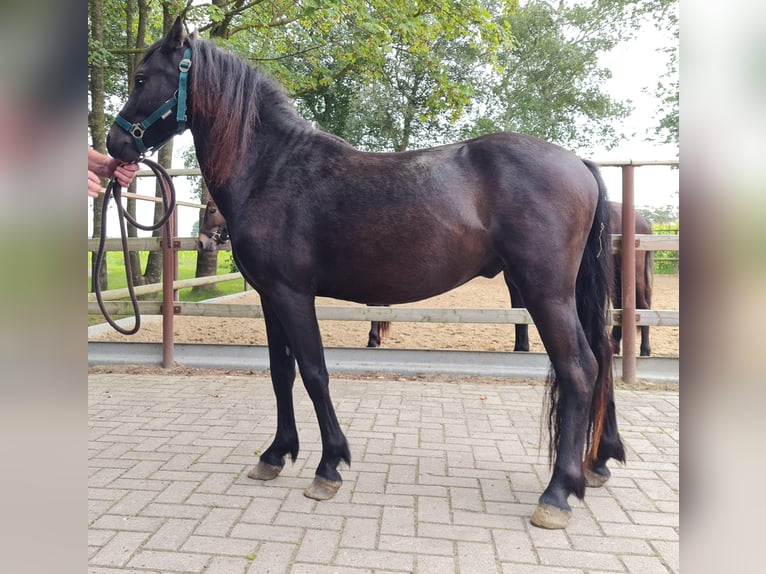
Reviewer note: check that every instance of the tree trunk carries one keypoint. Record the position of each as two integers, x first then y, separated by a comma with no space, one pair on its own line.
96,122
139,42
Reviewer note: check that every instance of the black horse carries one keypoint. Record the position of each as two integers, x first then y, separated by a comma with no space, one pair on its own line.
311,216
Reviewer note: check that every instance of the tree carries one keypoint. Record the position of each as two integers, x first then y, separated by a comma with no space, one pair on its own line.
96,121
550,84
118,38
311,45
411,101
667,130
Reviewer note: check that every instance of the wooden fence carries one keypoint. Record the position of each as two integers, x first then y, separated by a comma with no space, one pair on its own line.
629,320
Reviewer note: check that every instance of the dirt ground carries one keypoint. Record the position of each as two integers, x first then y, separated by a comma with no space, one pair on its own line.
479,293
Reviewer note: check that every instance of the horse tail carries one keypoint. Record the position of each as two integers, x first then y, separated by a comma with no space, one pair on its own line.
595,283
385,326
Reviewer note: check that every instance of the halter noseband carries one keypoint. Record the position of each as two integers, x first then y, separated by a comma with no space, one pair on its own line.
137,130
220,235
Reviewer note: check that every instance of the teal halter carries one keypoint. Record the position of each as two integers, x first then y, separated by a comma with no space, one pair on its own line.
137,130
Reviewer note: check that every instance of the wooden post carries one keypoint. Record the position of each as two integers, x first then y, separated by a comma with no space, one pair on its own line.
628,277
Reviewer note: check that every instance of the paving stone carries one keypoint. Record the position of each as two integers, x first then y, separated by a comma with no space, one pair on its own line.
476,558
119,549
360,533
272,558
170,561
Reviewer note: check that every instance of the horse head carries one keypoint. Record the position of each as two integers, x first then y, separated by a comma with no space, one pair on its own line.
156,109
213,231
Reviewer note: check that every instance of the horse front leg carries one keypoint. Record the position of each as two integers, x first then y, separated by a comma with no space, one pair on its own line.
282,364
297,316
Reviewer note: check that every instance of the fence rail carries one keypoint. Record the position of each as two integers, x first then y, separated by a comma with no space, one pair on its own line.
650,317
643,243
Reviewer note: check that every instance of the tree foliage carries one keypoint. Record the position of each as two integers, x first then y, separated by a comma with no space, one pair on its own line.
667,90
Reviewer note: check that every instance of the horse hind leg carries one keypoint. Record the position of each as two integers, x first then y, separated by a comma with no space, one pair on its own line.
373,337
521,340
378,330
574,370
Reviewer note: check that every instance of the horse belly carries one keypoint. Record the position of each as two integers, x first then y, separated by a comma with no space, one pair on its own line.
405,273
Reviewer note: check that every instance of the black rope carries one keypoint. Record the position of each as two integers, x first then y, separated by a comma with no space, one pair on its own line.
168,194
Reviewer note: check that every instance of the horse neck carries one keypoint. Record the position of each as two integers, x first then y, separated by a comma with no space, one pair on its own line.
273,122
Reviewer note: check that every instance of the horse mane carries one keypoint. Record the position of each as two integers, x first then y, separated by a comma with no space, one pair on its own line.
228,94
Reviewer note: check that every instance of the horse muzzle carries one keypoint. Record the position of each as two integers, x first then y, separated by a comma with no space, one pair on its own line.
206,243
120,145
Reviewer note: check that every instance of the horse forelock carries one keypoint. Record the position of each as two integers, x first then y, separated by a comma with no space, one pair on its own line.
226,97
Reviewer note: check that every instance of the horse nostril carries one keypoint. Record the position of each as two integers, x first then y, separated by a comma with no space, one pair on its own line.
204,243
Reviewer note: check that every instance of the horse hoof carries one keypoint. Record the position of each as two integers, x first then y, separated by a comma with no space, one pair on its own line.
322,489
594,479
264,471
550,517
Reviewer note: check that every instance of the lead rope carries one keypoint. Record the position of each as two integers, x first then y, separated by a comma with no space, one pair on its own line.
168,194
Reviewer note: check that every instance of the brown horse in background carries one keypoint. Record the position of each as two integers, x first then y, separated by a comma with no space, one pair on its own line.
213,230
644,277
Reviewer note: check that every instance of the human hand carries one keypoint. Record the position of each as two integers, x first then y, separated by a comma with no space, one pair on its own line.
125,173
94,184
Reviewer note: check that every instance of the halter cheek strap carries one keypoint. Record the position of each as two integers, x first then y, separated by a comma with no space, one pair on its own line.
137,130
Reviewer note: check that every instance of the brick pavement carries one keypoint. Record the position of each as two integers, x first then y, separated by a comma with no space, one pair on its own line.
444,478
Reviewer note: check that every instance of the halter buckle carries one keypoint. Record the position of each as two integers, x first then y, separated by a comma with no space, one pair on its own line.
137,131
185,65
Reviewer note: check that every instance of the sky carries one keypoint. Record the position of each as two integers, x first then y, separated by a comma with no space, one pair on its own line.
636,65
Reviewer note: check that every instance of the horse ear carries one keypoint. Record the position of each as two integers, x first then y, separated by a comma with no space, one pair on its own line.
194,35
175,37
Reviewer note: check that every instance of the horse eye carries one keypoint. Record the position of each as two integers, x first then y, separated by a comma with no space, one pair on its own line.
140,81
213,210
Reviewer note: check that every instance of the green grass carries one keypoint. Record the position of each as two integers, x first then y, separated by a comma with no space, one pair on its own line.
666,262
187,263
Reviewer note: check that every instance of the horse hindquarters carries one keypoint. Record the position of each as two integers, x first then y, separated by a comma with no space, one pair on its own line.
571,320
